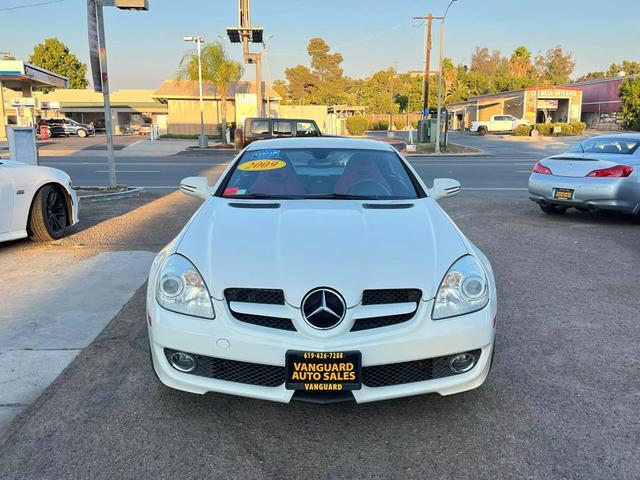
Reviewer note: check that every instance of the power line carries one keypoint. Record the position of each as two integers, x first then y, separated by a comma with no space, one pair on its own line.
39,4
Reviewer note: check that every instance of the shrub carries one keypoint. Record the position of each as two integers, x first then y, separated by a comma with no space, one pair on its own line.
384,125
356,125
414,124
400,123
523,130
545,129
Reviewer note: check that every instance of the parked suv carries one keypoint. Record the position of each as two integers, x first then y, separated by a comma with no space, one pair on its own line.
264,128
70,127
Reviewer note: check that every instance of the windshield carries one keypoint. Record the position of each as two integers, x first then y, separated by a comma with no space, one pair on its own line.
619,145
320,173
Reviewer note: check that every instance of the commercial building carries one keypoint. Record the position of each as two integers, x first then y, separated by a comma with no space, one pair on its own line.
17,103
601,102
181,98
546,104
129,108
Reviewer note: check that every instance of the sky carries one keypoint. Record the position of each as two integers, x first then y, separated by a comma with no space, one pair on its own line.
144,48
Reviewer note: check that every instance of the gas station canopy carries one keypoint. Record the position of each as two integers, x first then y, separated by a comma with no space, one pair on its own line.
16,74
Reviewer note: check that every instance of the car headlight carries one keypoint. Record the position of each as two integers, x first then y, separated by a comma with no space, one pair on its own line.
181,289
464,289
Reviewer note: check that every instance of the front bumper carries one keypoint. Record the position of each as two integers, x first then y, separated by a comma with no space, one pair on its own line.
226,338
622,194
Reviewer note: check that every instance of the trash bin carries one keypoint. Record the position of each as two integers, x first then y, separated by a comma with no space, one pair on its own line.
45,132
423,131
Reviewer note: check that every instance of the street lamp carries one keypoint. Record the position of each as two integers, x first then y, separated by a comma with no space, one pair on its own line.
199,40
266,60
437,148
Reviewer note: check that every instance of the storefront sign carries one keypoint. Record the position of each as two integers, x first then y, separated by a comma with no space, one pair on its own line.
94,45
557,93
24,102
547,104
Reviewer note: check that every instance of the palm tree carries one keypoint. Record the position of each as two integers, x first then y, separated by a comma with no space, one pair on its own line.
217,69
520,62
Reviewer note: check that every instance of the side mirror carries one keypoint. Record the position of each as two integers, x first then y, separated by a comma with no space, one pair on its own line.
195,187
444,187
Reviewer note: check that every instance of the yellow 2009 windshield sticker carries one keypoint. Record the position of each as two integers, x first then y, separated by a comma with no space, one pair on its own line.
261,165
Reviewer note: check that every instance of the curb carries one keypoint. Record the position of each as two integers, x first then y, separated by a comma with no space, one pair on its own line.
134,192
480,153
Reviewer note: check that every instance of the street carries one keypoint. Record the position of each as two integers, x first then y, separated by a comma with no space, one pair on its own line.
560,401
503,165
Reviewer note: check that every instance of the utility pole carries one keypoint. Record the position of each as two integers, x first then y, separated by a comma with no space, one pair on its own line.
245,34
98,57
427,64
438,121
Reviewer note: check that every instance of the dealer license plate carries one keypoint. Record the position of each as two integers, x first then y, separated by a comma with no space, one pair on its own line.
563,194
323,371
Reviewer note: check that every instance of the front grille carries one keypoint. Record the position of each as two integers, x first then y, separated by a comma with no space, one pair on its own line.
377,322
391,295
269,296
410,372
235,371
264,321
265,296
385,297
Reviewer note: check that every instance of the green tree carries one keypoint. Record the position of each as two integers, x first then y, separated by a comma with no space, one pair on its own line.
487,63
592,76
520,62
558,66
630,97
302,84
54,55
280,87
322,84
218,69
627,67
325,67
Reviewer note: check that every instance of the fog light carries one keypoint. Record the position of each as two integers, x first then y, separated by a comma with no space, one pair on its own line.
183,362
462,363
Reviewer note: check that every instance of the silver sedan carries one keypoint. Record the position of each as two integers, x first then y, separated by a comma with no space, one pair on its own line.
600,173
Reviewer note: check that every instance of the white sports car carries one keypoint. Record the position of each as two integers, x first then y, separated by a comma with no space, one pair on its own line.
35,201
321,269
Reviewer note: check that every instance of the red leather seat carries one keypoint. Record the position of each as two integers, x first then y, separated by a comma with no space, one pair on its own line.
282,181
361,167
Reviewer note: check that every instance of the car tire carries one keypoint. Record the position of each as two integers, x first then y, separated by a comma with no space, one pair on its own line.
48,218
482,130
553,209
82,133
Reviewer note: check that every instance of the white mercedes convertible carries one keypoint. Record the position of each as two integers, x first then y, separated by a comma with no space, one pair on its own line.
35,201
321,269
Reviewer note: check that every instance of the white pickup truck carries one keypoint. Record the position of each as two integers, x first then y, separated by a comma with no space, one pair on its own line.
498,123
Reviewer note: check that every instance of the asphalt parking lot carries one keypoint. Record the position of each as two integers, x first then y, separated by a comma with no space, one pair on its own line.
560,402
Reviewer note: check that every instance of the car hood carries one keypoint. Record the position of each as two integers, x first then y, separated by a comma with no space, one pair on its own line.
304,244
